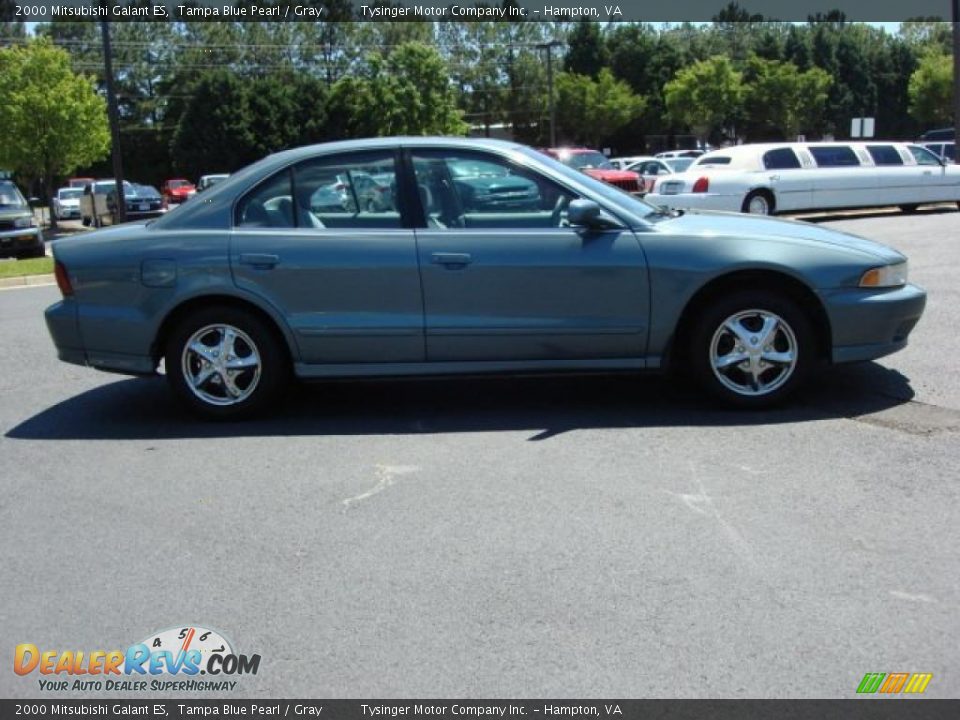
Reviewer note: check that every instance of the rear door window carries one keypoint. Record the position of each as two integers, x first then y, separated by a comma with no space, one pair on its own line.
780,159
884,155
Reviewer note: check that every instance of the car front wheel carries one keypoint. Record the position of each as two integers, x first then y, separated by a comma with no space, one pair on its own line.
225,363
752,349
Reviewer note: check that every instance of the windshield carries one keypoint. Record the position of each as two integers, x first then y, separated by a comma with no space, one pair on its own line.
111,186
581,160
10,196
678,165
70,193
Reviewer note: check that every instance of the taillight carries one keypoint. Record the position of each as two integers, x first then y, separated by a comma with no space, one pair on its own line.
63,279
701,185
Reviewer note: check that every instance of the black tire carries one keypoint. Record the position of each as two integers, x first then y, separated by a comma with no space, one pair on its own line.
909,208
710,326
274,364
771,205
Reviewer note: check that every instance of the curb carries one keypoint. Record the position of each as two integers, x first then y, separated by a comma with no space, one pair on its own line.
26,280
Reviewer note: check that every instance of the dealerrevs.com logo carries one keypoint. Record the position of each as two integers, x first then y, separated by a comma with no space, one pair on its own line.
171,660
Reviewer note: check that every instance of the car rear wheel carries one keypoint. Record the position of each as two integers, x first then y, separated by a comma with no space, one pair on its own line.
752,349
226,363
758,202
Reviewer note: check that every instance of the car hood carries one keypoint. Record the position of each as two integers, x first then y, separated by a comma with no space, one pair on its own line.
721,224
611,175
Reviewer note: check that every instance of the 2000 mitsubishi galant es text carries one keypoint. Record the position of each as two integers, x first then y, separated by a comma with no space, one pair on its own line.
376,258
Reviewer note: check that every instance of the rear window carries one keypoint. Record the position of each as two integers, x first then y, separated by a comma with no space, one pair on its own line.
713,160
884,155
834,156
780,159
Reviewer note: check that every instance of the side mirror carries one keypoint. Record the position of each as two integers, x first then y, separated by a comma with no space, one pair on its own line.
584,213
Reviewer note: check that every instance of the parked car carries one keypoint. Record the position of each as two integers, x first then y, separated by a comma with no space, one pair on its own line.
943,150
79,182
66,204
484,186
692,153
177,190
623,163
649,169
20,236
251,286
938,135
596,165
208,181
146,202
786,177
98,202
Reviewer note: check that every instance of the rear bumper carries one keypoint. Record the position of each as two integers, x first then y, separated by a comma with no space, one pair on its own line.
64,330
868,324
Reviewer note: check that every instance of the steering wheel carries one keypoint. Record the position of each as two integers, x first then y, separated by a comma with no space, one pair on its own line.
563,201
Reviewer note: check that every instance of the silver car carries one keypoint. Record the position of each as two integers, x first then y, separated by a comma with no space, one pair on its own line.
253,282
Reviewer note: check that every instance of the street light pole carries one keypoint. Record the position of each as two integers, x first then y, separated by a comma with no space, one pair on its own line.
114,124
550,98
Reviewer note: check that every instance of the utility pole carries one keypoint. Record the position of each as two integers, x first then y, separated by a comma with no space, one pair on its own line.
552,101
114,123
955,6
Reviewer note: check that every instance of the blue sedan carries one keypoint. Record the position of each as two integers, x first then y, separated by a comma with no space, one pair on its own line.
251,281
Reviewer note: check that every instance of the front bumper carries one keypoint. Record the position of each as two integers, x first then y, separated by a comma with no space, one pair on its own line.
14,243
867,324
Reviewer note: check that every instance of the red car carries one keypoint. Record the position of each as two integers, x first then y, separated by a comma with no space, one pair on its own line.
596,165
177,190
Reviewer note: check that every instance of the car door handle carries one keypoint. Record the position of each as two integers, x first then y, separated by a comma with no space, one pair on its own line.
928,172
451,261
261,260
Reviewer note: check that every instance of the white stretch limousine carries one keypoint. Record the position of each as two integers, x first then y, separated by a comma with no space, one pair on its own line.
786,177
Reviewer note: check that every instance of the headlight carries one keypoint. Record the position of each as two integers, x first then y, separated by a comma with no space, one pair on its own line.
24,222
886,276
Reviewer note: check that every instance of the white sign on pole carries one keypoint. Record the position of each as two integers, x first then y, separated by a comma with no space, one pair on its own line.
856,127
868,127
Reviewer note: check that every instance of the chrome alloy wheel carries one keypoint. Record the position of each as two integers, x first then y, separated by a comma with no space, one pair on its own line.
221,365
753,352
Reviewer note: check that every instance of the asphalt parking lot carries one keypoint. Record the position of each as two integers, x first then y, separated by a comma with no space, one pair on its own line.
524,537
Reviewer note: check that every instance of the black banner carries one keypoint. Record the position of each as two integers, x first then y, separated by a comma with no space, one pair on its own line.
863,709
472,10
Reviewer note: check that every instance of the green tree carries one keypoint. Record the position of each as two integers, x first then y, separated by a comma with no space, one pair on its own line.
591,110
706,96
931,90
404,93
780,101
216,131
53,121
587,52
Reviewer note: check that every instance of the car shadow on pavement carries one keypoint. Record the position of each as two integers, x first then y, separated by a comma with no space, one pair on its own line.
134,409
836,215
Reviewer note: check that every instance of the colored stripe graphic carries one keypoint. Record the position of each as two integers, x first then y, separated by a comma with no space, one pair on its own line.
870,682
894,683
918,683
